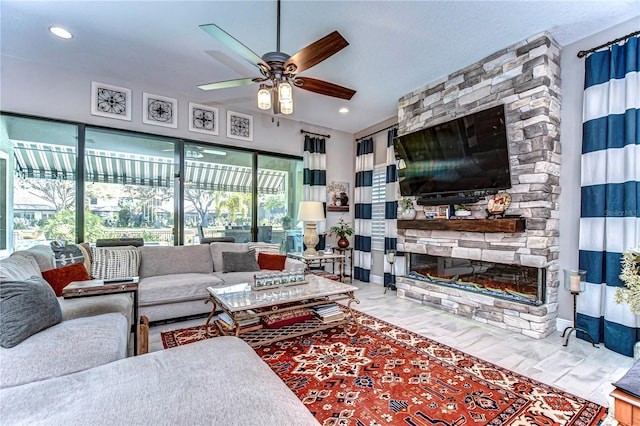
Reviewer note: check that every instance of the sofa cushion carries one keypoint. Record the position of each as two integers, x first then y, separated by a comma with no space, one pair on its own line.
19,267
58,278
70,346
239,261
72,253
261,247
114,263
175,288
43,254
630,382
159,260
218,248
27,307
273,262
219,381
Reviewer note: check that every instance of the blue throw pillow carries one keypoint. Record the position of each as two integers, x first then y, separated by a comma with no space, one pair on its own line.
27,307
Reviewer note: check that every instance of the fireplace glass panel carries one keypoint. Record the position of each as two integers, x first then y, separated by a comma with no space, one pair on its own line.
522,284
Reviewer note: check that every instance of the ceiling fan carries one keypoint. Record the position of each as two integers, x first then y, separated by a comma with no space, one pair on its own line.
279,70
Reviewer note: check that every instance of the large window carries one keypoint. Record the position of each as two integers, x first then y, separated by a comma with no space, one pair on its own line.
129,187
70,182
218,193
41,196
279,190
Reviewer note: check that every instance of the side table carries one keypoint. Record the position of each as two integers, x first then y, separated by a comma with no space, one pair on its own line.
100,287
347,252
321,259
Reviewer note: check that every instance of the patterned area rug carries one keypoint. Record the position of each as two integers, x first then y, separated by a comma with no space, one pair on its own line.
389,376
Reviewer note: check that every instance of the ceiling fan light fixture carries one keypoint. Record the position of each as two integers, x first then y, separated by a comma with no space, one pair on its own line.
285,92
264,97
286,107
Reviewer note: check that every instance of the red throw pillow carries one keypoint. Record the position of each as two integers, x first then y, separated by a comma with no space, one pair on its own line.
274,262
58,278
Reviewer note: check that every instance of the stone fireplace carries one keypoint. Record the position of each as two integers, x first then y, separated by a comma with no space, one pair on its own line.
523,284
525,79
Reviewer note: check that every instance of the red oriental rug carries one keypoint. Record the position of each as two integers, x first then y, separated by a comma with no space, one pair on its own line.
389,376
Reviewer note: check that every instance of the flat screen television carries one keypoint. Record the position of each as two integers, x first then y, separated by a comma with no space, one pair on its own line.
467,156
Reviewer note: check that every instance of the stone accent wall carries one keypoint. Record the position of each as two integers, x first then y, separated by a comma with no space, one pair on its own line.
525,78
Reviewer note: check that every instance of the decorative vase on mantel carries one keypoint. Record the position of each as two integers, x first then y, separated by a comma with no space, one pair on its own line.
343,242
409,214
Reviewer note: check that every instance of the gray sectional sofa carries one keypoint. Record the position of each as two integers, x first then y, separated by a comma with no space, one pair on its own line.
78,372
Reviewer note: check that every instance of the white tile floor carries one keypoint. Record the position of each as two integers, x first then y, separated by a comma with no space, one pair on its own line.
578,368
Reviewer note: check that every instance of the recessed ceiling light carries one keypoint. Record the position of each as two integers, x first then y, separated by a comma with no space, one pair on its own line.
60,32
343,110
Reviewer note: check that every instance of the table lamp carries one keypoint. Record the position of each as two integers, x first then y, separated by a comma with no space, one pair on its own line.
310,212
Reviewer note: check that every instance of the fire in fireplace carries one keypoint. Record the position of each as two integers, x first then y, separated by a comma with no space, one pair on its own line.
517,283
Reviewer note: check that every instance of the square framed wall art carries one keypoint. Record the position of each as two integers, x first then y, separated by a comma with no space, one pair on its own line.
203,119
239,126
159,110
338,197
110,101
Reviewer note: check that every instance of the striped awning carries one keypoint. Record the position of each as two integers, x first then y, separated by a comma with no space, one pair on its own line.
48,161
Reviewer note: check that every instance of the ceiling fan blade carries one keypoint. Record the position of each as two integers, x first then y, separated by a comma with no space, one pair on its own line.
225,38
324,87
229,83
315,53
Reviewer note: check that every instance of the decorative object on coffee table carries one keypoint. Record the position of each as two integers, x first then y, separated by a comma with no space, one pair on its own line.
574,281
311,212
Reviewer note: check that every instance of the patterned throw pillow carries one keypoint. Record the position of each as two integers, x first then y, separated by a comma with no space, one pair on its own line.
260,247
73,253
114,263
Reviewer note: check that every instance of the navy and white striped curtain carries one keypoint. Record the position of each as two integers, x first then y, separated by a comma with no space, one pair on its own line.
314,183
391,213
610,206
362,204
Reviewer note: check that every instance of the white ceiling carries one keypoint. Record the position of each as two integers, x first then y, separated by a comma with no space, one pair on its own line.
395,46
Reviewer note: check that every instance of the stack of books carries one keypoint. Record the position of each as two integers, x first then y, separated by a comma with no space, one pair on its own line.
329,313
225,320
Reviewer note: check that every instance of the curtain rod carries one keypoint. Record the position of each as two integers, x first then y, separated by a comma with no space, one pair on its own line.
316,134
583,53
379,131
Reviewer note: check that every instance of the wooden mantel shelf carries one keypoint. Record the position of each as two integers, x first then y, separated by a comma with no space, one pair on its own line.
469,225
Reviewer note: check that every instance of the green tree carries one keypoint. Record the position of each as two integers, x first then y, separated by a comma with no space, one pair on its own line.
62,226
61,194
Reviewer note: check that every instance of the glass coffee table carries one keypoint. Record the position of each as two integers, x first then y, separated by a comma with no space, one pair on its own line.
243,307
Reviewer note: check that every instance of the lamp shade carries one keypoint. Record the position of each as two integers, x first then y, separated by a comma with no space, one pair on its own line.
311,211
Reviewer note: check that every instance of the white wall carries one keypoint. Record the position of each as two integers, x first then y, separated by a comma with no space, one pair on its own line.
572,74
32,88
